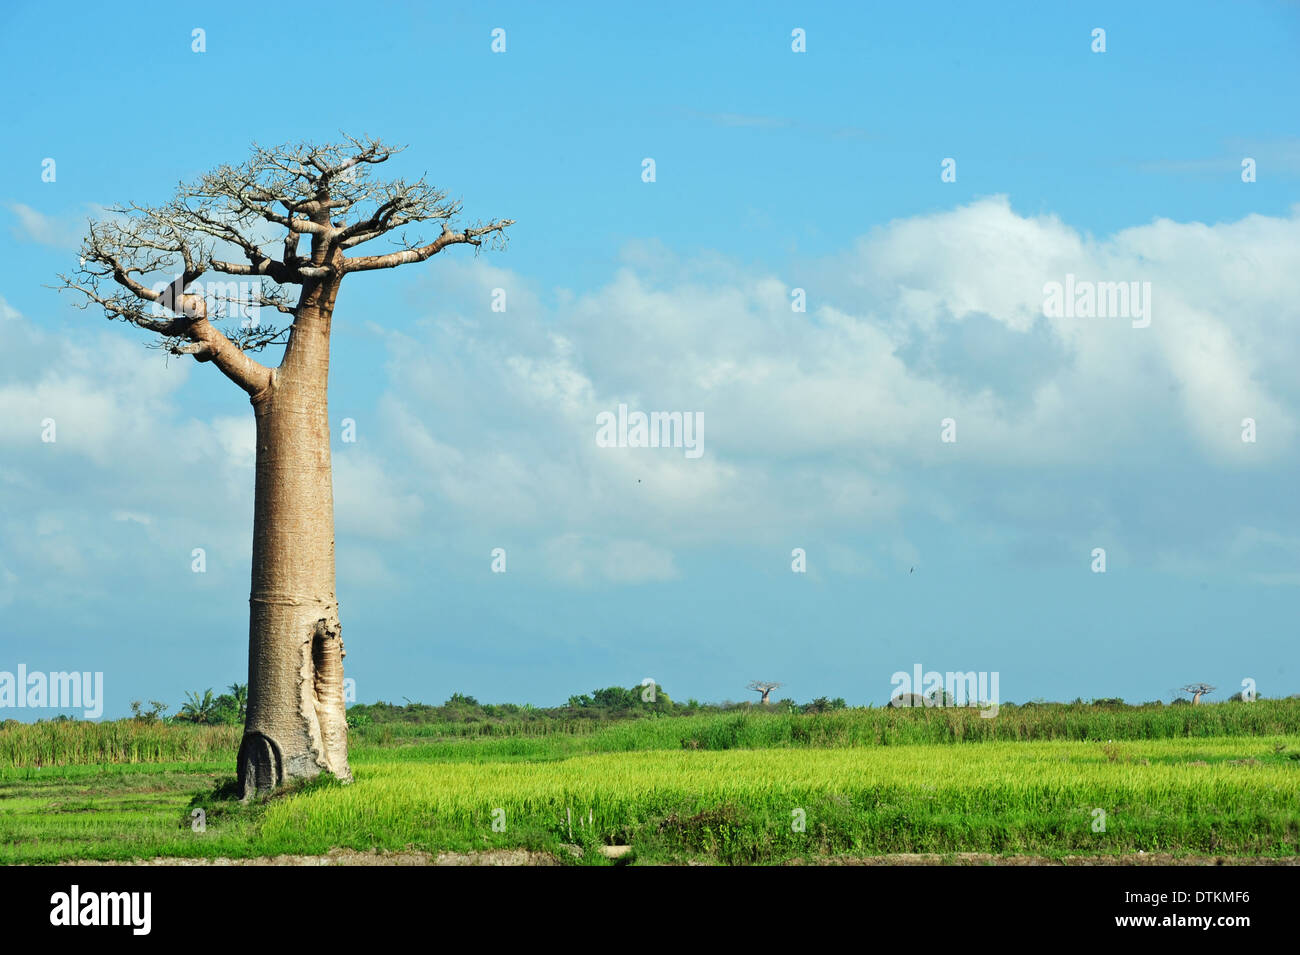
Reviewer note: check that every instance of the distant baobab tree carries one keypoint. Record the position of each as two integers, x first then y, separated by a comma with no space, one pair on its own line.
763,687
246,223
1197,690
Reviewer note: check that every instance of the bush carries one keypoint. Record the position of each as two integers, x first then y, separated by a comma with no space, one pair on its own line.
151,715
823,705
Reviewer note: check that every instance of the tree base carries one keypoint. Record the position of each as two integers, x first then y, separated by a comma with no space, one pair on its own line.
263,768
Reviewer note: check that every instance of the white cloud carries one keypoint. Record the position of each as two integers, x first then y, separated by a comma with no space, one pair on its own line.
63,232
817,424
831,419
130,485
578,559
370,500
132,516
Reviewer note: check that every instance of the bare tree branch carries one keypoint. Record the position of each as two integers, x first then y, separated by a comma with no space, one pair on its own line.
473,236
121,251
144,266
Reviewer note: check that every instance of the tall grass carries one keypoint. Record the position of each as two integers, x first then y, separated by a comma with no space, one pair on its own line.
76,743
132,741
757,729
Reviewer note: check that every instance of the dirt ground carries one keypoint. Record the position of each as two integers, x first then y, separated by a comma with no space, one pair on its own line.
354,857
525,857
983,858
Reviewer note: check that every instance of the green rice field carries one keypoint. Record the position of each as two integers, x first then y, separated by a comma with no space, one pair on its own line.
1220,780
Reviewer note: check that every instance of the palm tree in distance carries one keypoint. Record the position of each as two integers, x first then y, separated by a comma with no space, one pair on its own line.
198,709
240,692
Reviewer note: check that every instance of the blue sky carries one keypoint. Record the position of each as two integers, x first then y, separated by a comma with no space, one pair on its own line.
774,170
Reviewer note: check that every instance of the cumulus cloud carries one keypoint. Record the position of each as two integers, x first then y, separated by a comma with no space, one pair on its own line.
370,500
575,558
59,231
823,424
830,418
105,476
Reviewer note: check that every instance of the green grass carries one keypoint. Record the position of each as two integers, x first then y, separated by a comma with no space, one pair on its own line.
1219,795
129,742
80,743
847,728
1235,796
112,812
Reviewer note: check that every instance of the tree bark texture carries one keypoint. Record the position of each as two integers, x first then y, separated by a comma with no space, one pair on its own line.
296,725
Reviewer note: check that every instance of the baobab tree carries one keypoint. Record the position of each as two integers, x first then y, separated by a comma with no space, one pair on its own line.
246,224
1197,690
763,687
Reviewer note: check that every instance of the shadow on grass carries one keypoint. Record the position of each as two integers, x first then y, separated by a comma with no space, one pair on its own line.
222,800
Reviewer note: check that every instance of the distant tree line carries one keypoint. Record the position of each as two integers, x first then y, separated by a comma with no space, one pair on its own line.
225,709
609,703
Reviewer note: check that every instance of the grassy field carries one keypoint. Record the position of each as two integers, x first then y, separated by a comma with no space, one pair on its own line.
1220,780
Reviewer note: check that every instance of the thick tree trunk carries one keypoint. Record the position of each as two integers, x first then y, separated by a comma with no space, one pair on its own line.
296,725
